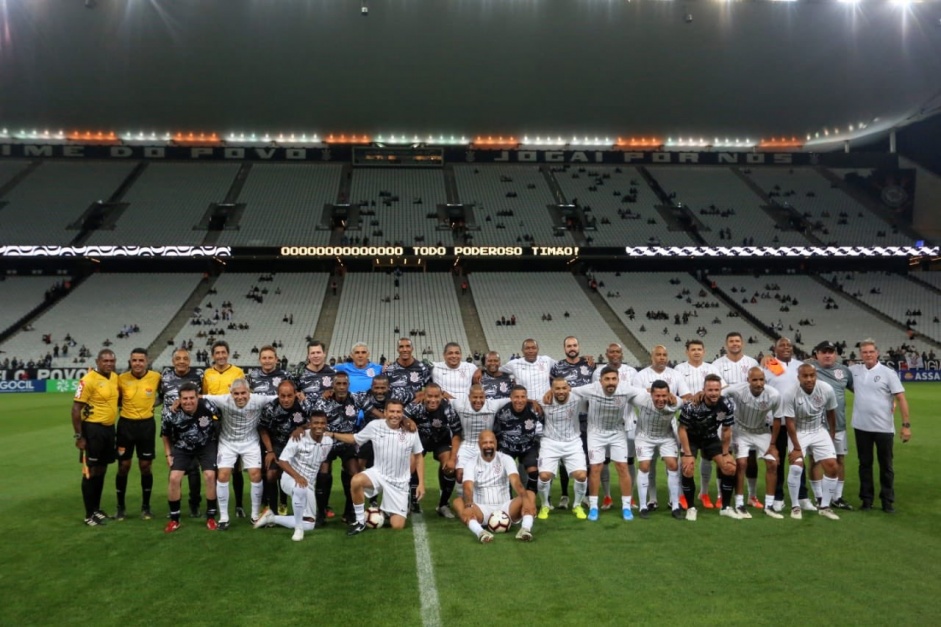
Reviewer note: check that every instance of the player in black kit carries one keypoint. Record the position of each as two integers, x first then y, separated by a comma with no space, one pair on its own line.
316,376
495,382
434,417
279,419
267,378
171,380
406,371
516,425
699,432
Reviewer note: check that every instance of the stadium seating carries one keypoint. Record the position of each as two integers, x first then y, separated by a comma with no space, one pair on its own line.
166,202
604,190
401,200
529,296
20,295
660,295
55,195
811,194
427,303
284,205
487,188
301,296
99,308
700,188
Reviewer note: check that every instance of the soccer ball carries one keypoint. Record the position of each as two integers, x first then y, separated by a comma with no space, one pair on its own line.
499,522
374,517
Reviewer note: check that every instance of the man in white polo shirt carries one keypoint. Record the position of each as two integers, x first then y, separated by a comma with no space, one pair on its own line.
877,387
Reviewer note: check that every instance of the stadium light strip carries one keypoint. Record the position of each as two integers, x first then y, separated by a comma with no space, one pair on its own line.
115,251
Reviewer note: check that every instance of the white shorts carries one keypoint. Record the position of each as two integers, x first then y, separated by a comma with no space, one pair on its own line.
611,444
646,447
817,443
229,452
465,455
395,498
745,441
288,484
570,453
490,509
840,444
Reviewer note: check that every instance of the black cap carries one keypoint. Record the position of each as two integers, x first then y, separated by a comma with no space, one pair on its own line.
825,346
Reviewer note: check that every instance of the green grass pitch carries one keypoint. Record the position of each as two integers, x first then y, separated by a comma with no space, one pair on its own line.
865,569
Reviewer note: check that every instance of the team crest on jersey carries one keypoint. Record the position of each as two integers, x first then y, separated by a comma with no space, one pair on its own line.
497,468
350,410
149,391
297,417
503,387
763,405
721,415
370,372
402,436
414,378
584,370
838,374
203,422
326,382
275,381
876,379
528,425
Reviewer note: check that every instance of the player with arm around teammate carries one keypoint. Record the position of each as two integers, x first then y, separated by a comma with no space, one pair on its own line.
486,489
434,417
562,441
654,435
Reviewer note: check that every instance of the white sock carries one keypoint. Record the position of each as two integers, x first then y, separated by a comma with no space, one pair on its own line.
605,480
625,502
222,493
643,481
527,522
652,480
829,489
705,475
673,483
475,527
839,490
739,500
592,502
257,490
299,502
817,489
581,489
769,501
543,488
752,486
290,523
794,483
360,510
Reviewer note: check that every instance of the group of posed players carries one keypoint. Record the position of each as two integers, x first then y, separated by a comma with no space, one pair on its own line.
500,434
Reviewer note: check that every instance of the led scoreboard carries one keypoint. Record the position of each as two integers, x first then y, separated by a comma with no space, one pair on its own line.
398,156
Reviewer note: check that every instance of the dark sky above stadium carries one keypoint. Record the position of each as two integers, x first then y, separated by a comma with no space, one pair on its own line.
464,66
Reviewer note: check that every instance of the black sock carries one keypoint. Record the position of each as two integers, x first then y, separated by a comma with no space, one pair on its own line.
146,486
751,467
563,481
212,506
726,485
322,490
270,495
447,487
689,490
345,479
802,493
195,483
120,485
88,495
238,486
532,480
413,487
99,485
175,510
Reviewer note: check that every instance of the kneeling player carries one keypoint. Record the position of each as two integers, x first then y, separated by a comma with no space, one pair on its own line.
300,460
487,481
397,451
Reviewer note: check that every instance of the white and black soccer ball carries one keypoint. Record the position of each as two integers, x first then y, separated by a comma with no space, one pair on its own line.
499,522
374,517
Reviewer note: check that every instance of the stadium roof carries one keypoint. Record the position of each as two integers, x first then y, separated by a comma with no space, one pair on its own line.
815,70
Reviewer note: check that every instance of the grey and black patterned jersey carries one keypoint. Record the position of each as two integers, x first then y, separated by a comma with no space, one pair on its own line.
496,386
433,425
702,422
171,382
516,432
263,382
280,423
561,420
840,379
751,412
733,372
491,479
606,413
342,414
392,450
314,383
191,432
369,402
472,423
809,411
305,455
652,422
576,375
239,424
532,375
414,376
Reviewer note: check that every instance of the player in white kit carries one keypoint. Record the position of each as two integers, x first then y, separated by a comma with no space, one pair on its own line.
615,355
476,415
454,375
300,460
486,489
654,435
805,408
531,370
562,441
397,452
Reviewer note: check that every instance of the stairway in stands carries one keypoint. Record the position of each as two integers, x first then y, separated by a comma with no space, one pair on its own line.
471,320
182,317
329,311
627,339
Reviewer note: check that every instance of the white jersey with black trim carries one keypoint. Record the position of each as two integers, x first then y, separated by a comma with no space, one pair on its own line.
455,381
532,375
239,424
392,450
752,412
734,371
491,479
305,455
695,376
809,411
606,413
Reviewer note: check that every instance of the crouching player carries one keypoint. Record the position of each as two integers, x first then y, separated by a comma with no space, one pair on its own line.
300,460
487,480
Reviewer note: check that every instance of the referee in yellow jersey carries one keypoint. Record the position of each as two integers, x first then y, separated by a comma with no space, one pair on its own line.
137,429
94,413
217,380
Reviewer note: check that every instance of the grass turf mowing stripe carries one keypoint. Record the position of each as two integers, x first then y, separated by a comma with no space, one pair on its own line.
427,589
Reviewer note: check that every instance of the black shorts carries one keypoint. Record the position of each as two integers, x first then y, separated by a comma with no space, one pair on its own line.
365,453
99,443
436,444
528,458
136,434
205,457
343,451
707,448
